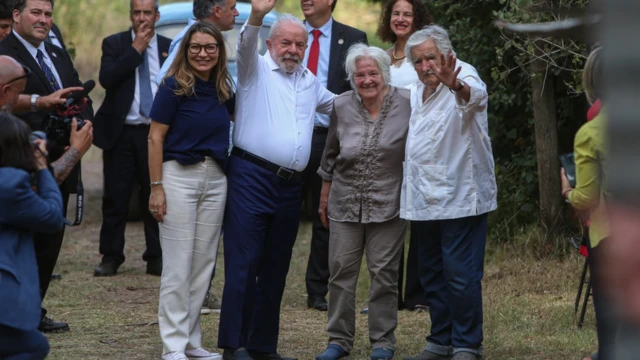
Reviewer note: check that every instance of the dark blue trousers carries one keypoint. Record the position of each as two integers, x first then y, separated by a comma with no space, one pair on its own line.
451,255
260,228
22,344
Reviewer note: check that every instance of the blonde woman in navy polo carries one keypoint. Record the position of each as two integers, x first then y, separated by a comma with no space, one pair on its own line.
188,143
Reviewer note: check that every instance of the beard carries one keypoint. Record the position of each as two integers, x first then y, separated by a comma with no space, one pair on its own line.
288,67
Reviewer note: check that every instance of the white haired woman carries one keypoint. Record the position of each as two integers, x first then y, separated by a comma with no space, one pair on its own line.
361,170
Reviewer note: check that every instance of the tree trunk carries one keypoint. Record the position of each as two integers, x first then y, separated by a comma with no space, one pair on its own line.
546,129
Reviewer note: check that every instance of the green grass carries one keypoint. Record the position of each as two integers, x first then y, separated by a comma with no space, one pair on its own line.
528,303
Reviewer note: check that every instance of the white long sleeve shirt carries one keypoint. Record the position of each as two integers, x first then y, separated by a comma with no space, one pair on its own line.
448,169
275,111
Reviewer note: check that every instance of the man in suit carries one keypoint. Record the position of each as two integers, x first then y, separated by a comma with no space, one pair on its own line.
52,78
130,62
329,41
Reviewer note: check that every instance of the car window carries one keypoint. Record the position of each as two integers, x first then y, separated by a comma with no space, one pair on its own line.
231,37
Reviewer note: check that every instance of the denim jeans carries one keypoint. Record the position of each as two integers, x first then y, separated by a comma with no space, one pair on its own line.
451,256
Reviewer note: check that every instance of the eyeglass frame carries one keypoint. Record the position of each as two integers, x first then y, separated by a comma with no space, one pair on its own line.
200,47
27,72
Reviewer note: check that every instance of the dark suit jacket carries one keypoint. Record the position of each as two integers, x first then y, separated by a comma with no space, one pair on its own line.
118,77
37,84
342,37
23,211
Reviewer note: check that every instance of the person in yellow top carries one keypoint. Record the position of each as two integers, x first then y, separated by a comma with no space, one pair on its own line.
590,196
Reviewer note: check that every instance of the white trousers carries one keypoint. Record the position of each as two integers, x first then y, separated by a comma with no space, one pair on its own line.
189,236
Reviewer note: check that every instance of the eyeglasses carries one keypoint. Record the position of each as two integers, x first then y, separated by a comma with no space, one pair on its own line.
27,72
210,49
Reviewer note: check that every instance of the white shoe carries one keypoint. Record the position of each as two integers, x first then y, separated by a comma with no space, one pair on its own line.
205,311
202,354
175,355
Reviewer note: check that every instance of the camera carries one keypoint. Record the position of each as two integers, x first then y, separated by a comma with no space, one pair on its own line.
58,125
58,129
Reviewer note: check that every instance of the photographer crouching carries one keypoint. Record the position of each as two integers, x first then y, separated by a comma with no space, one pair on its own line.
53,78
28,195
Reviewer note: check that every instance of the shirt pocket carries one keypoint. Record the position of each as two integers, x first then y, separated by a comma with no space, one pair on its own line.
431,186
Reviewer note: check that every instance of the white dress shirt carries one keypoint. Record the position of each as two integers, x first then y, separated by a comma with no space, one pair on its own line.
275,110
34,52
134,117
448,169
322,72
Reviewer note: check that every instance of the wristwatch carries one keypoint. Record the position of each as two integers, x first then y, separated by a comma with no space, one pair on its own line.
34,97
460,84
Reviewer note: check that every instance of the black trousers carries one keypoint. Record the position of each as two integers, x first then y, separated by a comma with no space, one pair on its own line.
125,161
317,277
47,247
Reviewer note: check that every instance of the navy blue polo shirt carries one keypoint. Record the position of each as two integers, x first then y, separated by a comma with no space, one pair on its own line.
198,124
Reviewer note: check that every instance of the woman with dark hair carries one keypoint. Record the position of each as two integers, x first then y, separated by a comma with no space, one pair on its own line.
398,21
188,143
29,201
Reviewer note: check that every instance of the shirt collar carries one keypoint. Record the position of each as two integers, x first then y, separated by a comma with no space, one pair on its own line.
325,29
420,86
30,48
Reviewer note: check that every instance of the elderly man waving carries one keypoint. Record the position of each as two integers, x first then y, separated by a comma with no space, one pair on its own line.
276,103
448,188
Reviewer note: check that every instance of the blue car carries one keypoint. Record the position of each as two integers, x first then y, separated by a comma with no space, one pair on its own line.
174,17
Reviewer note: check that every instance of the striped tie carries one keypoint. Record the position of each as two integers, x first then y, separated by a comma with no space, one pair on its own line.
47,71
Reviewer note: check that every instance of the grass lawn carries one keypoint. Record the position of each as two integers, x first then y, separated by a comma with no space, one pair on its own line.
528,304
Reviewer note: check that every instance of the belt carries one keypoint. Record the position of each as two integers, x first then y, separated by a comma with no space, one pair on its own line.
320,129
137,125
282,172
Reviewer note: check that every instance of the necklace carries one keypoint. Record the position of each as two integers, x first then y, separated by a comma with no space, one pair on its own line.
393,54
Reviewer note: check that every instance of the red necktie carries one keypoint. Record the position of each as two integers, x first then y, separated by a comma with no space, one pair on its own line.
314,53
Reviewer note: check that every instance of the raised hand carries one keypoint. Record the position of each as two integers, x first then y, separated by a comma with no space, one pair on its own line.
446,72
143,37
260,8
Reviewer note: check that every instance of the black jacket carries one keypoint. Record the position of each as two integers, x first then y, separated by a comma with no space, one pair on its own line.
118,77
342,37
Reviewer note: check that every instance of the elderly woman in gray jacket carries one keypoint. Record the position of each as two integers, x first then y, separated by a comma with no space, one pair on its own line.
360,201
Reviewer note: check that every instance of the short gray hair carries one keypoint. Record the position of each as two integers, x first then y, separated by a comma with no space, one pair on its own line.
286,18
359,51
204,8
156,4
430,32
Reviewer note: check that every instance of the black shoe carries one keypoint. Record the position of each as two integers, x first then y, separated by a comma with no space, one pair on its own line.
264,356
154,267
317,302
106,268
236,354
47,325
